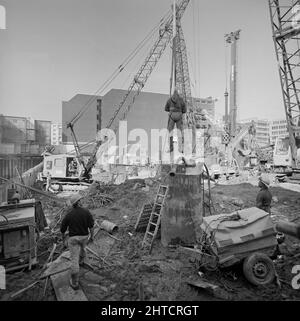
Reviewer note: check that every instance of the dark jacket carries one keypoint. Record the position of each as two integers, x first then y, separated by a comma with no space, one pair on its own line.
264,199
79,220
175,104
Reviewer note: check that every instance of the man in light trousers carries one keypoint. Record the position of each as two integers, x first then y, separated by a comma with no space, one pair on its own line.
79,221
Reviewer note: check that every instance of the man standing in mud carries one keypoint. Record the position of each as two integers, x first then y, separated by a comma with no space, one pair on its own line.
80,223
176,107
264,197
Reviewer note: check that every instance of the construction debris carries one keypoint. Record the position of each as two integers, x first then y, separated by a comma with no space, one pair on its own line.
94,198
23,290
213,289
63,290
123,271
201,226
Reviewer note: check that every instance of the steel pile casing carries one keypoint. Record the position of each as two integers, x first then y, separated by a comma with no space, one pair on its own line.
182,214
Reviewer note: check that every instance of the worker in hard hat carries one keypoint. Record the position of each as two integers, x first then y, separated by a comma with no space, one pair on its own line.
264,196
176,107
73,168
48,182
79,221
16,197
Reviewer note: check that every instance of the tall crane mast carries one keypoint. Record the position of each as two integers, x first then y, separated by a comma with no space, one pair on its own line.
232,39
231,138
286,29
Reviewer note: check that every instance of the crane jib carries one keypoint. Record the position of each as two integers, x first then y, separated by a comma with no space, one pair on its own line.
141,77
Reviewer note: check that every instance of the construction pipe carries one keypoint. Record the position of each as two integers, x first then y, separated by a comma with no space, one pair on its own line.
288,228
108,226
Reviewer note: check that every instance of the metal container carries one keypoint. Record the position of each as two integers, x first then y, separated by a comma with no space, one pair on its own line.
182,214
108,226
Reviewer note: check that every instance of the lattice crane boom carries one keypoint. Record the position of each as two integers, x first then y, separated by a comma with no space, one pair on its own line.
286,30
141,77
182,75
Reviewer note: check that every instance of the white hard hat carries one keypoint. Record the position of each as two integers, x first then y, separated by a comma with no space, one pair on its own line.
75,198
265,180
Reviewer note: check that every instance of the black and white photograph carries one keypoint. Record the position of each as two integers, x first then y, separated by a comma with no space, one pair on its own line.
149,154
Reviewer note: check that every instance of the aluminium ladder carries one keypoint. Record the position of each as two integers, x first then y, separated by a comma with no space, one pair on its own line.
155,216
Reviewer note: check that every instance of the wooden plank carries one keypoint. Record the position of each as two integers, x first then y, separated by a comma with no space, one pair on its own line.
61,200
60,277
27,192
60,264
23,290
211,288
63,290
22,204
15,268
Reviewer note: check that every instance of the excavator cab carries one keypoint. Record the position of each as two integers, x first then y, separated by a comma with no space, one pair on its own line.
72,167
62,166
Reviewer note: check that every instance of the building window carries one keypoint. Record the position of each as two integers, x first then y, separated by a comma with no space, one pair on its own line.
58,162
49,165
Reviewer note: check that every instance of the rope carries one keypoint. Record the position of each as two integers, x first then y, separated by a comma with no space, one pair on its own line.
127,60
198,45
195,49
119,69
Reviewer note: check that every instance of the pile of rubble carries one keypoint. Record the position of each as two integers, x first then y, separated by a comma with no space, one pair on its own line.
95,196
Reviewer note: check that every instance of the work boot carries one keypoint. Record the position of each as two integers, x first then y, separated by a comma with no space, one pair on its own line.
74,282
83,261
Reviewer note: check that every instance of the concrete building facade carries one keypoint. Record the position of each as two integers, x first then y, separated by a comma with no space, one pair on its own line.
21,135
56,134
267,131
148,113
87,125
262,130
42,132
278,129
207,104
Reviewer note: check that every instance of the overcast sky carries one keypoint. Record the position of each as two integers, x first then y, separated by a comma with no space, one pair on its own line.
52,50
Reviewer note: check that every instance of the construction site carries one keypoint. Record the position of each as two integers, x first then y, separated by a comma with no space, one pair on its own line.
199,209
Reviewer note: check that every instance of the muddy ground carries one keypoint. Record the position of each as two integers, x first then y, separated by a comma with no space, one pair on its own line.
130,273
